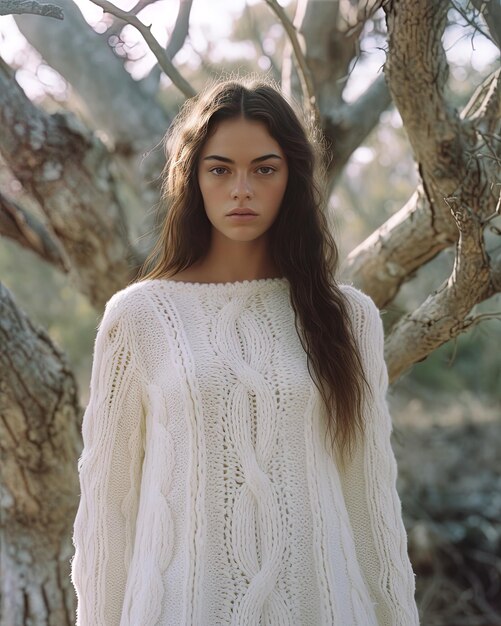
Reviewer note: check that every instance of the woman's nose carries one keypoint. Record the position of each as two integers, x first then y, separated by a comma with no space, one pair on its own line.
242,188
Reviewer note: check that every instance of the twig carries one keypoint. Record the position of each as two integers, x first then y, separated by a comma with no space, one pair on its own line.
160,54
471,21
491,13
116,26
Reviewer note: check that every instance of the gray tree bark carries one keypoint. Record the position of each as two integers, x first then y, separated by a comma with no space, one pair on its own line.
71,174
459,165
40,420
18,7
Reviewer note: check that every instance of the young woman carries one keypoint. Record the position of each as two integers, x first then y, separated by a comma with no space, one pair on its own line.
237,467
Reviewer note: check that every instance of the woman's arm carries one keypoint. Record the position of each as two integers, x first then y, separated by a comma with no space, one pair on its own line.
369,483
110,472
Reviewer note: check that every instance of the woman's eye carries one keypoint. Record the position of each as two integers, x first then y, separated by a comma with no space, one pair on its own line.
218,171
266,169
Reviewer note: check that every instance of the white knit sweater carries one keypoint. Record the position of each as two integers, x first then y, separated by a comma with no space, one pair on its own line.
208,496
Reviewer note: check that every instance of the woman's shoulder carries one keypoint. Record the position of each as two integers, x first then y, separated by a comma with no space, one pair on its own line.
128,303
365,319
359,302
129,295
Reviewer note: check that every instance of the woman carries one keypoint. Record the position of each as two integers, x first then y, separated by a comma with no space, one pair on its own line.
237,466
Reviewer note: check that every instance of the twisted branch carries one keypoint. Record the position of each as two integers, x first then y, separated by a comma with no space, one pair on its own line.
161,55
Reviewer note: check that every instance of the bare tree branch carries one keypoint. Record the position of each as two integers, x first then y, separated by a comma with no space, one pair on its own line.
331,31
303,69
180,30
417,70
23,228
117,24
178,36
347,125
176,40
443,315
383,262
161,55
418,232
18,7
456,180
332,34
471,19
390,256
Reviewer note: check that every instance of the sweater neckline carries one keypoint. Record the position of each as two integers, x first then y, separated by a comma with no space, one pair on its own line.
239,285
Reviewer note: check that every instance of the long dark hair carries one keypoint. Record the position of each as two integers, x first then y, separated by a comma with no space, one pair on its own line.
301,245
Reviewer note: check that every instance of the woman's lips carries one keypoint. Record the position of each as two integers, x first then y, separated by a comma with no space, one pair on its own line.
241,214
239,217
242,210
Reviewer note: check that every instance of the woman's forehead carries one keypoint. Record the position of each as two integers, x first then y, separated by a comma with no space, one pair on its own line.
247,138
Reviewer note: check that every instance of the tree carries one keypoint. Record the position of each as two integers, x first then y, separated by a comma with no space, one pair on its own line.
88,178
40,434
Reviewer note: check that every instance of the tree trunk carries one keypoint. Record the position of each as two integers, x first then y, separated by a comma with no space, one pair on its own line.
40,440
459,166
74,179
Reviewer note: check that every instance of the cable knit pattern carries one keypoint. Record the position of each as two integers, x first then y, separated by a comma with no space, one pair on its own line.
208,496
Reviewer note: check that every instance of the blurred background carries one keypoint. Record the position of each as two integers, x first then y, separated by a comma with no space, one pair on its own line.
446,409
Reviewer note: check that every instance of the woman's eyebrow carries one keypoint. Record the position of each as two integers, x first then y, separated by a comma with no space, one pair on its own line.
216,157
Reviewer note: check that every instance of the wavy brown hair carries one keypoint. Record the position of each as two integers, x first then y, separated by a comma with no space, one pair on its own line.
301,245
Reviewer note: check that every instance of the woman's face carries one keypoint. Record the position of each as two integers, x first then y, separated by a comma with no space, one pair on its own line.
242,166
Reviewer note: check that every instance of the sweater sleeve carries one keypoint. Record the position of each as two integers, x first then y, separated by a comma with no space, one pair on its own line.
369,484
109,472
